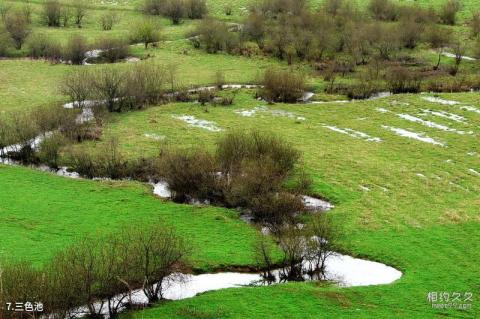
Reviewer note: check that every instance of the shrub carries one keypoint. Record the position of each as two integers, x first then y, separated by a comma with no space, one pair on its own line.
213,35
475,23
438,38
276,208
76,49
402,80
228,10
6,42
108,20
282,86
113,49
49,152
23,132
78,86
383,10
448,12
159,253
235,147
42,46
20,282
154,7
176,10
145,84
145,32
109,83
18,26
79,12
196,9
52,12
322,236
191,175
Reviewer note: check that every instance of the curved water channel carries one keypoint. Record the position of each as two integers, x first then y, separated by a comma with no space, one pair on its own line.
344,270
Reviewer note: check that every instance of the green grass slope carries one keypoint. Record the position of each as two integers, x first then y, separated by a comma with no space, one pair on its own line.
41,214
407,203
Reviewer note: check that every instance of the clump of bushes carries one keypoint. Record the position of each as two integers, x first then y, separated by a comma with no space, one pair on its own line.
113,49
402,80
17,24
43,47
249,170
176,10
75,49
118,90
282,86
304,251
448,12
146,32
92,271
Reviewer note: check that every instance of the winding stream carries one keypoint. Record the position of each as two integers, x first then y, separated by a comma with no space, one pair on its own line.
344,270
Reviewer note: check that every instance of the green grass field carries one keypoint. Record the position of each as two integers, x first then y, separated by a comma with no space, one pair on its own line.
40,214
403,202
420,212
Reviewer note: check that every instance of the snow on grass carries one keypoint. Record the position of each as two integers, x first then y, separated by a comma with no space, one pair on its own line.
471,109
353,133
274,112
382,110
464,57
415,119
155,137
439,100
412,135
194,122
474,172
446,115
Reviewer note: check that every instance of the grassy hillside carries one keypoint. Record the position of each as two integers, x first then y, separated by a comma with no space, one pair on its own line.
400,201
41,214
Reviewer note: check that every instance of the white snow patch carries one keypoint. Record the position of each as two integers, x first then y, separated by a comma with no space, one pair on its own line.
412,135
155,137
161,189
364,188
446,115
475,172
382,110
451,55
439,100
353,133
429,123
421,175
471,109
316,203
194,122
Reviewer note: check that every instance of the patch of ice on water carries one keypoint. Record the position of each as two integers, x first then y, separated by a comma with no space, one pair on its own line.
161,189
194,122
439,100
446,115
415,119
353,133
316,203
413,135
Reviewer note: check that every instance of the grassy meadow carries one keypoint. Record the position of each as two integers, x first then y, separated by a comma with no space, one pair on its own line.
411,203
